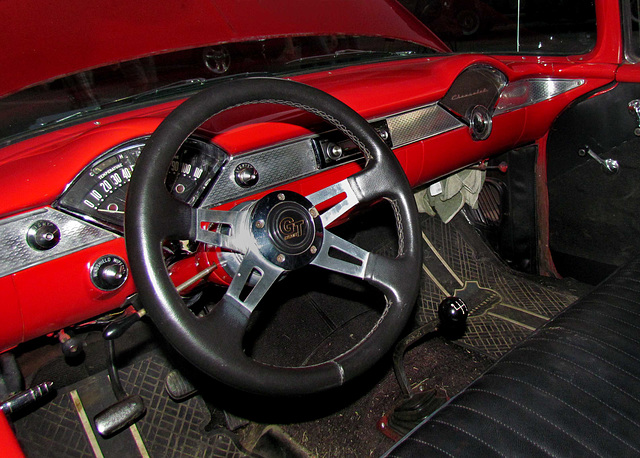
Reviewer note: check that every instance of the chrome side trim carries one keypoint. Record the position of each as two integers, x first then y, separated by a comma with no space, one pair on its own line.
416,125
75,234
529,91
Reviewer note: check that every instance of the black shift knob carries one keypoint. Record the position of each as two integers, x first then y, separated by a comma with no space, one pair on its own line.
453,313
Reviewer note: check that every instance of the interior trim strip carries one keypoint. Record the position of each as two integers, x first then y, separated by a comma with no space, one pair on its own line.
75,234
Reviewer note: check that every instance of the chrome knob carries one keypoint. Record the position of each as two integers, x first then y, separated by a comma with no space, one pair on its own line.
246,175
109,273
43,235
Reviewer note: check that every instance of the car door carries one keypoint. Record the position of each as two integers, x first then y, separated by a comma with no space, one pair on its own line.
566,209
593,169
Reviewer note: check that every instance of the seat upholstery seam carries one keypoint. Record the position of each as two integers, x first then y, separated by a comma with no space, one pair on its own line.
602,302
615,319
505,426
575,386
604,293
558,427
587,352
536,350
429,444
435,420
547,393
581,320
621,286
597,340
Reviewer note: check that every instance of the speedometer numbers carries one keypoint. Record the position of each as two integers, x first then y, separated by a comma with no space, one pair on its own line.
100,191
190,172
108,189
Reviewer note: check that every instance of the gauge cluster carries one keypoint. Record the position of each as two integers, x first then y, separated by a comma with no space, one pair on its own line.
99,192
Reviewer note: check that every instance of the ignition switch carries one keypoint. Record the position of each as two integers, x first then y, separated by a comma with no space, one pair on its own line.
109,273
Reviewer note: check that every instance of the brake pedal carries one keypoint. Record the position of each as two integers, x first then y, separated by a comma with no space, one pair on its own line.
178,387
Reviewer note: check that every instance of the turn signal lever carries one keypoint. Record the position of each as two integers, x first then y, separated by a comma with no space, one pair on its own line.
26,398
118,327
451,323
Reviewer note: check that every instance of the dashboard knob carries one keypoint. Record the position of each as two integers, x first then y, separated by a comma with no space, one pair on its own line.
246,175
480,123
43,235
334,151
109,273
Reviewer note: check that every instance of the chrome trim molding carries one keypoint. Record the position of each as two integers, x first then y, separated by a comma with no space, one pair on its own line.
275,166
415,125
529,91
75,235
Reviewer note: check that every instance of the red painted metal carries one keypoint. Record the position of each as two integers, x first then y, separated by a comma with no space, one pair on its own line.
11,327
10,446
45,43
26,167
59,293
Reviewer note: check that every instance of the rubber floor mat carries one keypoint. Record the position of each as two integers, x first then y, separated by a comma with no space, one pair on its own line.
168,429
504,306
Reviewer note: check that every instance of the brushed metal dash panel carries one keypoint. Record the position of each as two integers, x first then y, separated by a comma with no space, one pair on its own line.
530,91
275,166
75,234
416,125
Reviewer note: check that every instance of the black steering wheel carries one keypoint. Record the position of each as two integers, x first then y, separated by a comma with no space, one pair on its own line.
276,234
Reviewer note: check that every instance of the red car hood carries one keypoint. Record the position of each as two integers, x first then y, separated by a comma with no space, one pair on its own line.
45,39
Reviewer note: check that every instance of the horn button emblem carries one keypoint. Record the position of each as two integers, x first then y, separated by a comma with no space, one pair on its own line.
287,229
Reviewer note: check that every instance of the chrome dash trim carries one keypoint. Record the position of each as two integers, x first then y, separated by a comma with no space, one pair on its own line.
415,125
529,91
275,166
75,235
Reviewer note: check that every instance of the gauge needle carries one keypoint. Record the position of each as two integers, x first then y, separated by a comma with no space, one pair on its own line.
105,210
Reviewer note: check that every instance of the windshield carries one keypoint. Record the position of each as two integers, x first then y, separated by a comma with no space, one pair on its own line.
178,73
534,27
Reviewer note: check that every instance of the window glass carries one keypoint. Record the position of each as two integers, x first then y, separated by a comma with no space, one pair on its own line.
175,74
631,18
539,27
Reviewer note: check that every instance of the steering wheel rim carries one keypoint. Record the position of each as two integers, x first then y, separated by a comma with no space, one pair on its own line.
150,207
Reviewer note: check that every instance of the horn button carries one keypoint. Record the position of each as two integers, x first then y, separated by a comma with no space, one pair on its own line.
287,229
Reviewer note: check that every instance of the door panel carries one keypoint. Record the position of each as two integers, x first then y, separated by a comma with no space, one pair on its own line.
593,213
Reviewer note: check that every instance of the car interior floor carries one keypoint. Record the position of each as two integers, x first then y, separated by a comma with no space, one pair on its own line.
305,320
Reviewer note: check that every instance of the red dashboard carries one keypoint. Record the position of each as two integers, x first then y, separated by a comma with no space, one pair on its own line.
50,293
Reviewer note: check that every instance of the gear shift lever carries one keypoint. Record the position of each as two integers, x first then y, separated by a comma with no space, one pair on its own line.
451,322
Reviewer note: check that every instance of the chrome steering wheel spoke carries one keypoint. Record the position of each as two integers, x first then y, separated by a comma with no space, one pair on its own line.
337,210
253,268
339,255
228,234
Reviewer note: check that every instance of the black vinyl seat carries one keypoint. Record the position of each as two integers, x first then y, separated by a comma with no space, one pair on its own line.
571,389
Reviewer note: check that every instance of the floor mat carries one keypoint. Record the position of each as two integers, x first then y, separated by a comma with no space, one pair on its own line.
168,429
504,305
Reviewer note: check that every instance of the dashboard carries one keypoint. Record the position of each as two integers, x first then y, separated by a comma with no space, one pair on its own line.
79,233
98,193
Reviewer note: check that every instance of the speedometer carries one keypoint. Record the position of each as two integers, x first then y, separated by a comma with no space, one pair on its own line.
99,192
